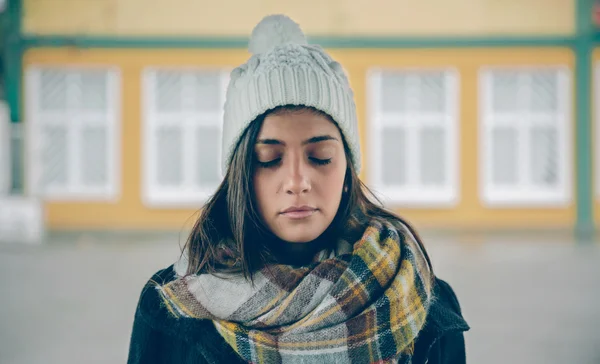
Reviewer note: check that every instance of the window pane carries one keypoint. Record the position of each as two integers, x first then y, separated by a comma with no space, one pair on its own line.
54,156
93,90
53,90
208,142
433,156
168,91
432,92
393,92
504,156
505,90
544,156
544,93
208,91
394,154
169,153
94,156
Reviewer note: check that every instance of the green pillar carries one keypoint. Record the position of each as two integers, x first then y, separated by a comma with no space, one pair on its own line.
13,58
583,142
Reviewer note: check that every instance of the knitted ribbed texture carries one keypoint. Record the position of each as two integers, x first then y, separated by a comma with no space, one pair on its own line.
288,71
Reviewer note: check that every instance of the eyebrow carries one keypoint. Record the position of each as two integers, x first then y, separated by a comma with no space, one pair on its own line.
315,139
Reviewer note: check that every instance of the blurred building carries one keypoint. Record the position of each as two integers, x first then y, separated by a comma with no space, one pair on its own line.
474,114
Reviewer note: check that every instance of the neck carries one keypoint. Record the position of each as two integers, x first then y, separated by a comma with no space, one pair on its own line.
296,253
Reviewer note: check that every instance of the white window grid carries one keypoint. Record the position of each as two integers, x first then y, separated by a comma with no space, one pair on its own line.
74,121
189,193
414,193
525,192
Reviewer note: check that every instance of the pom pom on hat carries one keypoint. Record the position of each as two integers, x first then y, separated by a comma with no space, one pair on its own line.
275,30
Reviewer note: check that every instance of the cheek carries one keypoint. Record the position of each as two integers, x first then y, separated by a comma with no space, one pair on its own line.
263,190
333,182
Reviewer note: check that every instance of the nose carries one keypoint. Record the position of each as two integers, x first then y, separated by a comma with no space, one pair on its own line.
297,180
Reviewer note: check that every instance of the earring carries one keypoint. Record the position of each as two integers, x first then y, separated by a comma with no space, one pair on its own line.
345,189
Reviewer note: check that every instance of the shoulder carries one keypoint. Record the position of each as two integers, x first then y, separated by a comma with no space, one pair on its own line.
149,303
442,338
163,276
446,306
157,332
150,311
152,317
150,307
445,313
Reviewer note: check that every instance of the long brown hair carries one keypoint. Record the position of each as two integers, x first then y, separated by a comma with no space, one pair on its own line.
229,235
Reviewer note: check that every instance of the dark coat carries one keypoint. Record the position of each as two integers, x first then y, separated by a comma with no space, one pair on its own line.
160,338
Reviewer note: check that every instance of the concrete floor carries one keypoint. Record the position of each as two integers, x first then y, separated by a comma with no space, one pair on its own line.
528,298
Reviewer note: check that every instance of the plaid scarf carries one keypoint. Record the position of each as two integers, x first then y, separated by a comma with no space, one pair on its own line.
367,306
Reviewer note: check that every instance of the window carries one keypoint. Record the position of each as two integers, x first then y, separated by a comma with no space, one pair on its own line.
525,146
182,134
413,135
73,127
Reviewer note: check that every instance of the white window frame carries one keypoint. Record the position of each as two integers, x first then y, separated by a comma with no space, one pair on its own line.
414,194
187,196
528,195
75,190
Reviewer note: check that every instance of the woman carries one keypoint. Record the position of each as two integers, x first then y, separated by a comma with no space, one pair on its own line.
290,260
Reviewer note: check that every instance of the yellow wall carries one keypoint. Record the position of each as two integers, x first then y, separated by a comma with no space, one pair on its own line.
328,17
129,211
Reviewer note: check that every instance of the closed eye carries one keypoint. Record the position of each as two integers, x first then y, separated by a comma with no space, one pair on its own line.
320,162
277,161
269,164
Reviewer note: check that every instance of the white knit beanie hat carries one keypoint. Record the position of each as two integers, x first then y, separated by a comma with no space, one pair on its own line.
285,70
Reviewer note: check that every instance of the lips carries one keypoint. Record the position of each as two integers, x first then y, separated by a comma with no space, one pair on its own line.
298,212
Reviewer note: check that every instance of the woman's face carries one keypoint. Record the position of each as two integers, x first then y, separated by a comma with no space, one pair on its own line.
299,174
